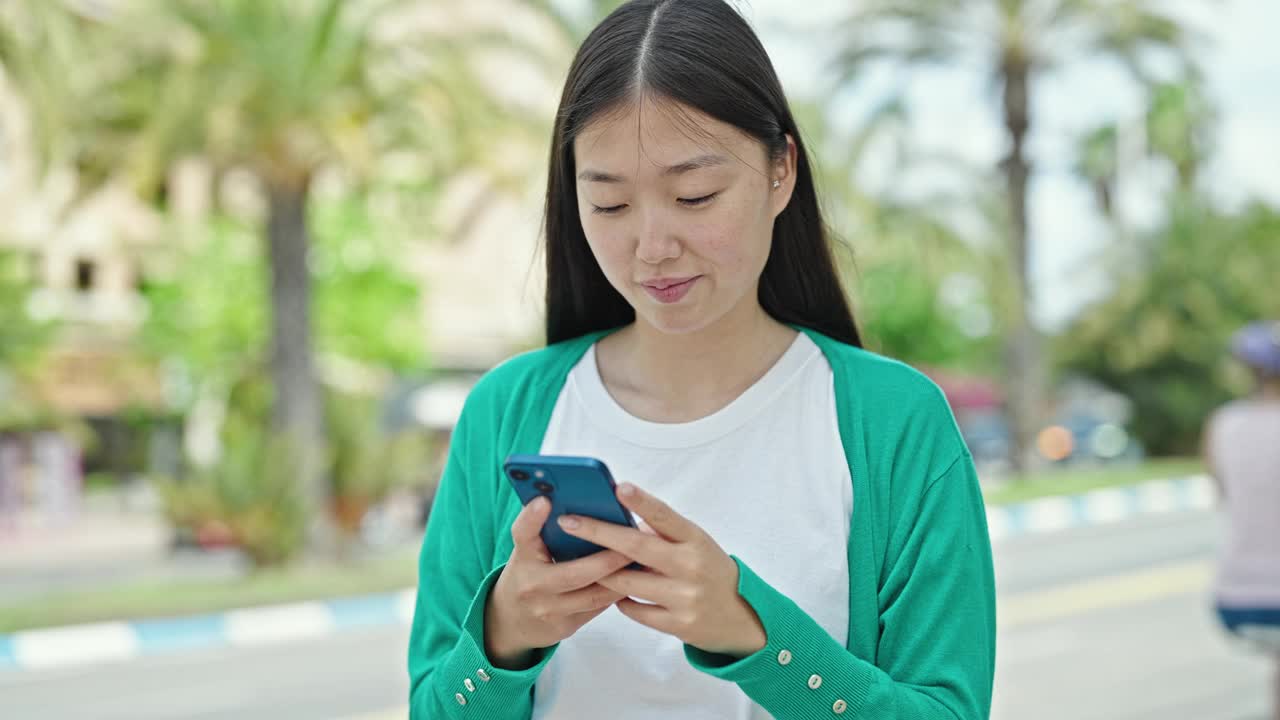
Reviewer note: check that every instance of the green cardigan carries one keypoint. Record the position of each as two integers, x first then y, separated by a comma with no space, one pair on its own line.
921,641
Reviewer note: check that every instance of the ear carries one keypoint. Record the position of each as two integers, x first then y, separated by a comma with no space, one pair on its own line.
783,172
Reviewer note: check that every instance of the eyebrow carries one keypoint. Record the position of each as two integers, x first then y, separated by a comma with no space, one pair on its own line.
697,163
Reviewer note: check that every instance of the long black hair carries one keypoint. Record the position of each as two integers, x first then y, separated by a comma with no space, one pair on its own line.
701,54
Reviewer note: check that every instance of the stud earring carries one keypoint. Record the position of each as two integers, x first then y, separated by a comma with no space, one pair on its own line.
777,184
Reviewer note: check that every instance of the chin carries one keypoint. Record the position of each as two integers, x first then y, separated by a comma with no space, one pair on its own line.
684,321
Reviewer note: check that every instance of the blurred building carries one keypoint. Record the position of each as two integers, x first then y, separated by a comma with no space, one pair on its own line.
90,256
87,257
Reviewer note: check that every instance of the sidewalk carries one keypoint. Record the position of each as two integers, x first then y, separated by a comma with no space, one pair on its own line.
103,543
81,540
144,544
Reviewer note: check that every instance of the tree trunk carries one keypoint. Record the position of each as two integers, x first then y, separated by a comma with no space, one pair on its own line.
297,406
1022,353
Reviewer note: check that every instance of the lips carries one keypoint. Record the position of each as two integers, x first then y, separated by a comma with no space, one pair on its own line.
670,290
664,283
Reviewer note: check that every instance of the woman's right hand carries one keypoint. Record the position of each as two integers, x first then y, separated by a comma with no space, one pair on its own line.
536,602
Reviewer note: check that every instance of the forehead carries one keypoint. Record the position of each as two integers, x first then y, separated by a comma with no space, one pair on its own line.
651,134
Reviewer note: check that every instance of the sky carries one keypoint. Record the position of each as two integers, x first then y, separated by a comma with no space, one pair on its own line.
955,110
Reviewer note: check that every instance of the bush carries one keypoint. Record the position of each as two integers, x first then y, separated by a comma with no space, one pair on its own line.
367,462
247,498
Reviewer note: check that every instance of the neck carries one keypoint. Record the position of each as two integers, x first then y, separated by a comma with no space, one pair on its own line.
693,374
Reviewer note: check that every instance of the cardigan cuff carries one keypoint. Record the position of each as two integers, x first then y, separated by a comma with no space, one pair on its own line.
801,671
487,691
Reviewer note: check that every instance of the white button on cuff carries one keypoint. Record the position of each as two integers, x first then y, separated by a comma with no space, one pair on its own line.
461,700
839,707
815,681
471,687
483,675
784,657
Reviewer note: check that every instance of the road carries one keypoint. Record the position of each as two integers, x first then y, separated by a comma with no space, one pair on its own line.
1106,623
1115,623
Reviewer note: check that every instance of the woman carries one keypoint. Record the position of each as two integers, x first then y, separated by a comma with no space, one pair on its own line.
1243,455
814,534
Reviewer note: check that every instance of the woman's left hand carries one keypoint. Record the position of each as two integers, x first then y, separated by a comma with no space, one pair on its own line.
692,582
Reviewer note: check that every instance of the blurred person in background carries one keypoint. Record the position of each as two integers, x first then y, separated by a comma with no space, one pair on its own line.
10,482
1242,453
700,344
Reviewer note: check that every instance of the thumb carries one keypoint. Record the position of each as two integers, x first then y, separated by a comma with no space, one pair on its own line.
527,528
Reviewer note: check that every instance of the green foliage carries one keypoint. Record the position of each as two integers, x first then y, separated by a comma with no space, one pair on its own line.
1016,42
364,462
1179,126
281,87
56,56
367,304
1040,34
22,338
903,315
367,461
1162,335
211,312
249,493
903,251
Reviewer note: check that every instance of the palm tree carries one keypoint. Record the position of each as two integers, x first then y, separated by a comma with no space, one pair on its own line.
1160,332
1179,127
1017,41
40,45
1098,164
1175,130
283,89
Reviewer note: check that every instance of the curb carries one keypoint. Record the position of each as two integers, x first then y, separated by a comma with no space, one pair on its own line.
115,641
1100,507
250,627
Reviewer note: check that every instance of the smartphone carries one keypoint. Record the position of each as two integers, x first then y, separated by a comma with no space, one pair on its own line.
575,486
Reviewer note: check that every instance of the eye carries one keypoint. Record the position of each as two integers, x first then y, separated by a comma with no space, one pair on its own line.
694,202
596,210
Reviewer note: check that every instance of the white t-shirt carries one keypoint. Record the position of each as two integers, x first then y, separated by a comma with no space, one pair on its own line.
1243,444
766,476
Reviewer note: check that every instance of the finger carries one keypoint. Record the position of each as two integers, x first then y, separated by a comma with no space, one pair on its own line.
657,514
646,586
582,618
580,573
527,528
654,616
589,599
649,550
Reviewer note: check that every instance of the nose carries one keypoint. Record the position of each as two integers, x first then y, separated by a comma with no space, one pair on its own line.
655,241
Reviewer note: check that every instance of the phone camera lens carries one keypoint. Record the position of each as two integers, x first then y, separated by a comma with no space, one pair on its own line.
543,487
519,475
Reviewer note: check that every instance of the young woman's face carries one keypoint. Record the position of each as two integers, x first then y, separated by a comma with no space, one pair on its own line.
680,219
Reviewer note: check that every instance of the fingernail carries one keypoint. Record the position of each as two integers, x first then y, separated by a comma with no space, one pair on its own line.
627,489
569,522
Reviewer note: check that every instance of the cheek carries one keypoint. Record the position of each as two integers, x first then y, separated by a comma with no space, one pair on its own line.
609,247
737,241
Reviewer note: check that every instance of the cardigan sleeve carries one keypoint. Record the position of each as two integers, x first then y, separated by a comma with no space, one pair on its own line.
450,675
936,657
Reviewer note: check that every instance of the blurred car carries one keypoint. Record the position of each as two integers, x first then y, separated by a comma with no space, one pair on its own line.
1088,425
